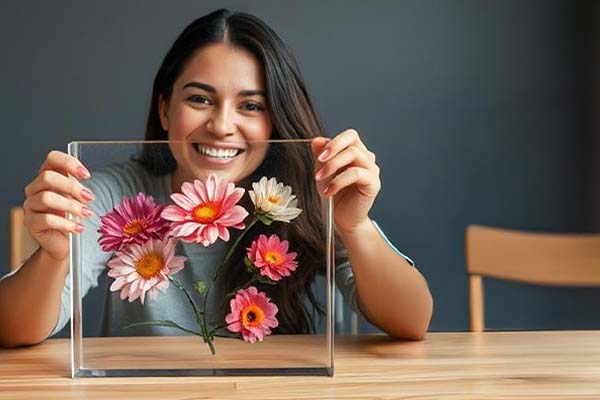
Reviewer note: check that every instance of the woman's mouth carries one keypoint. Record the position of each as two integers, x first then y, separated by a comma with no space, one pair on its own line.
220,155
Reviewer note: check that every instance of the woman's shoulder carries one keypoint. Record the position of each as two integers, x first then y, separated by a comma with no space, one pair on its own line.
112,183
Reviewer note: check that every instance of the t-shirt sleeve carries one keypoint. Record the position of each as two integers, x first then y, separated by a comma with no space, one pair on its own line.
344,277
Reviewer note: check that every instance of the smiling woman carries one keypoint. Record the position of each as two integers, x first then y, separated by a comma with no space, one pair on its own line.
217,104
227,84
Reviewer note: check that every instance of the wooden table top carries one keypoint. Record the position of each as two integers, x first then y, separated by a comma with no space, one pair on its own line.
490,365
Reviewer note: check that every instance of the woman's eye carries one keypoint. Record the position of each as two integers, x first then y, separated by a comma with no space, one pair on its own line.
199,99
253,107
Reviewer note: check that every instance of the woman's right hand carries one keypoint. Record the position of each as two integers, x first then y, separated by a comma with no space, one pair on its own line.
48,199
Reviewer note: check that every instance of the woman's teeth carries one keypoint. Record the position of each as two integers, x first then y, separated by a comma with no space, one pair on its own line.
215,152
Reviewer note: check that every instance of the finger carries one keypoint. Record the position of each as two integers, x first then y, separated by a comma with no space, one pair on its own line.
339,143
350,156
365,183
65,164
317,145
53,181
39,222
47,201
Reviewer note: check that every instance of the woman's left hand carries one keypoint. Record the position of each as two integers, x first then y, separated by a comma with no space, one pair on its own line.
346,170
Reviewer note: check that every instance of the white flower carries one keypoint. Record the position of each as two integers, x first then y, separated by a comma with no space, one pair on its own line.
274,201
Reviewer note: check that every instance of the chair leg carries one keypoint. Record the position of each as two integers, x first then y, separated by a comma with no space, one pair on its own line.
476,308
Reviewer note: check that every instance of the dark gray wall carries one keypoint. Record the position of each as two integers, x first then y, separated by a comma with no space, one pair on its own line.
476,110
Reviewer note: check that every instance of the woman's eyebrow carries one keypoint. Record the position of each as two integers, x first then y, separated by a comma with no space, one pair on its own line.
211,89
200,85
252,93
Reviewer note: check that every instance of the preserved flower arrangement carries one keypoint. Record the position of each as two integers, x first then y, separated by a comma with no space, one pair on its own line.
144,233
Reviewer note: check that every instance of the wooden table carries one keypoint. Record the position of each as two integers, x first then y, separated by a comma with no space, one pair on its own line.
515,365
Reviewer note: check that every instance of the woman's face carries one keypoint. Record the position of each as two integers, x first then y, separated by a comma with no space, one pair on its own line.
217,104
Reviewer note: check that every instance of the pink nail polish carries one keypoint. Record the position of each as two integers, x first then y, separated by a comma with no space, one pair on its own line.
78,228
323,155
319,175
83,173
86,212
87,195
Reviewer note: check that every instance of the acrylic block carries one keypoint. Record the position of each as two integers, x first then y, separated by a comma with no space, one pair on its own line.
202,259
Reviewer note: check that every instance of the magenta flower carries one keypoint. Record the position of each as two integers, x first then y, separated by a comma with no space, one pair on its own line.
204,211
252,315
144,268
135,220
271,258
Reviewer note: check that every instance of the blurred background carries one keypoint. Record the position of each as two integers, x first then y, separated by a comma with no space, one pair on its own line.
480,112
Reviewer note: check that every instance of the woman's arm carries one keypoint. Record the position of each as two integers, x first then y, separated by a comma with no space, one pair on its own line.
30,300
392,294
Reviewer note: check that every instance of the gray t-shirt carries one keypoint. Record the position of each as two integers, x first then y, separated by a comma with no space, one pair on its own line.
110,186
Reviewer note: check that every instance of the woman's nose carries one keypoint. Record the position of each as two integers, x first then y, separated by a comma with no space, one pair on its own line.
222,122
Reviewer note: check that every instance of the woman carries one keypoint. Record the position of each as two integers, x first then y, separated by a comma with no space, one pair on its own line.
227,79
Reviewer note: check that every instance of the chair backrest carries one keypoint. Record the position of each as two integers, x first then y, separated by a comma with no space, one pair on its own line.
22,244
535,258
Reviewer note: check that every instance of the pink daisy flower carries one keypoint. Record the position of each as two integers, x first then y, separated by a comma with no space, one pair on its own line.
252,315
135,220
271,258
144,268
204,211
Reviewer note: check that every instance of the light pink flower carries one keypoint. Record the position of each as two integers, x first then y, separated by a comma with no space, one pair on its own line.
271,258
144,268
135,220
252,315
204,211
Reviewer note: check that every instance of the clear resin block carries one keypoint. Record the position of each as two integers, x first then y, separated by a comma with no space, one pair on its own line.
202,260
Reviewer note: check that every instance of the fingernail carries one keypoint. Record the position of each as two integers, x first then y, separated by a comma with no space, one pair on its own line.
319,175
326,190
83,173
87,195
86,212
323,155
78,228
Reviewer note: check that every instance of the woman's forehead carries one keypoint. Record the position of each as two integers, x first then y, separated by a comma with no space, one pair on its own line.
225,68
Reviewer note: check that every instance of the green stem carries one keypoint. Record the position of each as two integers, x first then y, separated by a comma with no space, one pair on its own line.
216,328
180,287
232,248
163,323
211,346
204,327
200,316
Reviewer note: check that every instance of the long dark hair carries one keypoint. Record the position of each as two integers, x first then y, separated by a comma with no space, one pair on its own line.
293,117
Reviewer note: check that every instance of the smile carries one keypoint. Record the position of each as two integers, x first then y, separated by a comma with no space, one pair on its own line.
217,152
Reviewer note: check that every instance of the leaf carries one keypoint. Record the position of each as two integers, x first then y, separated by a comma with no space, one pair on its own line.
200,286
265,280
163,323
264,218
249,265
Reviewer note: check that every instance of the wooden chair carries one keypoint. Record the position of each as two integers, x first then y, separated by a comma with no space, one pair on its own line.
568,260
22,244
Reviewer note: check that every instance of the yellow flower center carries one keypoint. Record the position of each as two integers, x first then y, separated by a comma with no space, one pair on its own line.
273,257
149,265
134,227
274,200
252,316
207,212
